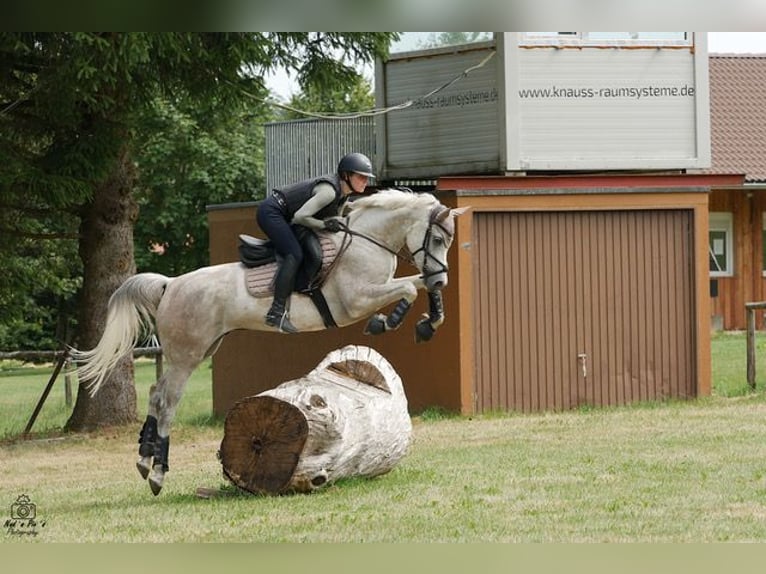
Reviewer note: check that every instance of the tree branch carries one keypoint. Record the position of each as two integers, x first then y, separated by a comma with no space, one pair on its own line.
32,235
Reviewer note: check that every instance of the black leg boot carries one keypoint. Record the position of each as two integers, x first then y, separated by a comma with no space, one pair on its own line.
283,285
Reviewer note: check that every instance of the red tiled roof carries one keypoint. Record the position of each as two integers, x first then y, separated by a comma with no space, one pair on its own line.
738,115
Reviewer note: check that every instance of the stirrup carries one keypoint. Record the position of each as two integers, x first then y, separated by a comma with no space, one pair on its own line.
280,321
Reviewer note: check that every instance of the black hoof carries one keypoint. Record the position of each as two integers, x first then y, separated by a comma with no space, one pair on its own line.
156,487
376,325
423,331
143,470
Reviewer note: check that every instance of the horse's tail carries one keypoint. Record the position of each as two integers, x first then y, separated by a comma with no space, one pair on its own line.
131,309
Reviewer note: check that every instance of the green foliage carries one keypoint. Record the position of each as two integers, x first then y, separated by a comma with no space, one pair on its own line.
182,106
324,59
189,160
334,99
437,39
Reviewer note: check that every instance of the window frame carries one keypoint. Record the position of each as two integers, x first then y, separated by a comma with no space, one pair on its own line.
585,39
722,221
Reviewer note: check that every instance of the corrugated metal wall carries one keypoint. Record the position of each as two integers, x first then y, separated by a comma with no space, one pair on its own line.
456,130
583,308
301,149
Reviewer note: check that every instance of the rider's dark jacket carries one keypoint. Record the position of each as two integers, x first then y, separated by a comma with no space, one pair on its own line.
296,194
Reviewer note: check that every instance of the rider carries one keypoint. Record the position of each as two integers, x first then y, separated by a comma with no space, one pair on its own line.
309,203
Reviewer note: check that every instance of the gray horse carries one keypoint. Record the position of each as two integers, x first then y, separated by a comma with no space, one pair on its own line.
192,312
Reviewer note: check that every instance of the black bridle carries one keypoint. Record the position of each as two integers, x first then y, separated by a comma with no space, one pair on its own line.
435,217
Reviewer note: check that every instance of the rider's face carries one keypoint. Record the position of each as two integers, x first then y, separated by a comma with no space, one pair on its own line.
358,182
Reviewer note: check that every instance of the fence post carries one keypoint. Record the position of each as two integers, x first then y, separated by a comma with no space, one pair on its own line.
750,347
750,309
68,382
47,390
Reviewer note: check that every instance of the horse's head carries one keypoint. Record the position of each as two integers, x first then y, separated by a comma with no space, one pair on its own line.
413,223
429,243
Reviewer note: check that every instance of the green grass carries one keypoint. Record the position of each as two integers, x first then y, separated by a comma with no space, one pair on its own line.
729,363
22,386
678,471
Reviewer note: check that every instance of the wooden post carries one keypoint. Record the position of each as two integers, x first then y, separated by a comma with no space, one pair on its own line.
347,417
750,310
67,383
751,348
47,390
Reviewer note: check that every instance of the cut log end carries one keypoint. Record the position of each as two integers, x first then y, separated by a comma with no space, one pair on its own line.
262,443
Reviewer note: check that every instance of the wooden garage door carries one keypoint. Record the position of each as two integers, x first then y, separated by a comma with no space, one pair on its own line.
583,308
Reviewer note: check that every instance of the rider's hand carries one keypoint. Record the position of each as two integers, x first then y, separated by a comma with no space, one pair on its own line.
333,225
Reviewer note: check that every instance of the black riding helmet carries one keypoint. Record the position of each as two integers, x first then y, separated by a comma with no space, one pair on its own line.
355,163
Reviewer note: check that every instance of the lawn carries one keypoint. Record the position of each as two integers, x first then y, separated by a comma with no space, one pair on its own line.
690,471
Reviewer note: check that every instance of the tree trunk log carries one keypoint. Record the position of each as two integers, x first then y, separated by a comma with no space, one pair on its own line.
348,417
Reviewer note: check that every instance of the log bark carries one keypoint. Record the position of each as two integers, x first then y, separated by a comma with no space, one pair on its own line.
348,417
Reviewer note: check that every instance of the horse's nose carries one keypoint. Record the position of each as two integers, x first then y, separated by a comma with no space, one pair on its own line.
439,284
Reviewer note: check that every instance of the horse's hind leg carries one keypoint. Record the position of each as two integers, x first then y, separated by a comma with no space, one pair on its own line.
155,435
147,438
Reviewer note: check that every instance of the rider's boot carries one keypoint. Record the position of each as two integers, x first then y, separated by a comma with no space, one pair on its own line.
284,283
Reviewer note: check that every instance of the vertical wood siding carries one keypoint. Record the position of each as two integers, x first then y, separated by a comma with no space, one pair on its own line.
583,308
747,284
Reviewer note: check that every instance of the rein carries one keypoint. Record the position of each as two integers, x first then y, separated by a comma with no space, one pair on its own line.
408,257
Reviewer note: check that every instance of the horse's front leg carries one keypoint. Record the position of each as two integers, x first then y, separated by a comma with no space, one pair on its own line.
404,290
427,326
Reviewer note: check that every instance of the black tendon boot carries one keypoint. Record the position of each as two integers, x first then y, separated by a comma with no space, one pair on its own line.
283,286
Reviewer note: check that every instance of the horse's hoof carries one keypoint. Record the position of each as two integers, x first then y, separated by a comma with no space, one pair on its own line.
423,331
376,325
155,483
144,466
156,479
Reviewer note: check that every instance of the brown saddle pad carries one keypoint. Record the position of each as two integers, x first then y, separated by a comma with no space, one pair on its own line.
260,280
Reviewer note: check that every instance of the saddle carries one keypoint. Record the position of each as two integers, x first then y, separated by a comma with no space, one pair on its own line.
261,260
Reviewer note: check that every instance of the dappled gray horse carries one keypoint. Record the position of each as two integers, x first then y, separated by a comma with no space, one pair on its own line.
193,312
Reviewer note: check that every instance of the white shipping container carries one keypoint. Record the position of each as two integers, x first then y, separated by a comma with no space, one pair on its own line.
545,106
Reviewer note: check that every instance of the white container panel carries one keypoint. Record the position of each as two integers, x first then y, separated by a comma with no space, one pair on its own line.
606,108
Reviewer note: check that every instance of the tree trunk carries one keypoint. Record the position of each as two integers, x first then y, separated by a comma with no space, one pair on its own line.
348,417
106,249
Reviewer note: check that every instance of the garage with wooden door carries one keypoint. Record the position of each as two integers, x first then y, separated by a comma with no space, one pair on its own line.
583,308
588,295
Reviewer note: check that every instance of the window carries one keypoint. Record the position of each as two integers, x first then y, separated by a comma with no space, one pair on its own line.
721,245
580,39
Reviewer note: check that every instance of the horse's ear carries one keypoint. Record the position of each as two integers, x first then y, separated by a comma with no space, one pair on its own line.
459,211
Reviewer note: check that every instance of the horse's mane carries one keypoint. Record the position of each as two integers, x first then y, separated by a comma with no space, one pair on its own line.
393,199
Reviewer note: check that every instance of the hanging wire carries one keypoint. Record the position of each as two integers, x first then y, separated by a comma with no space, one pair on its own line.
340,115
373,111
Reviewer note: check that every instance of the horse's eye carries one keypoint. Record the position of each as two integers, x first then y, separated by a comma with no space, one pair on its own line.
438,240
